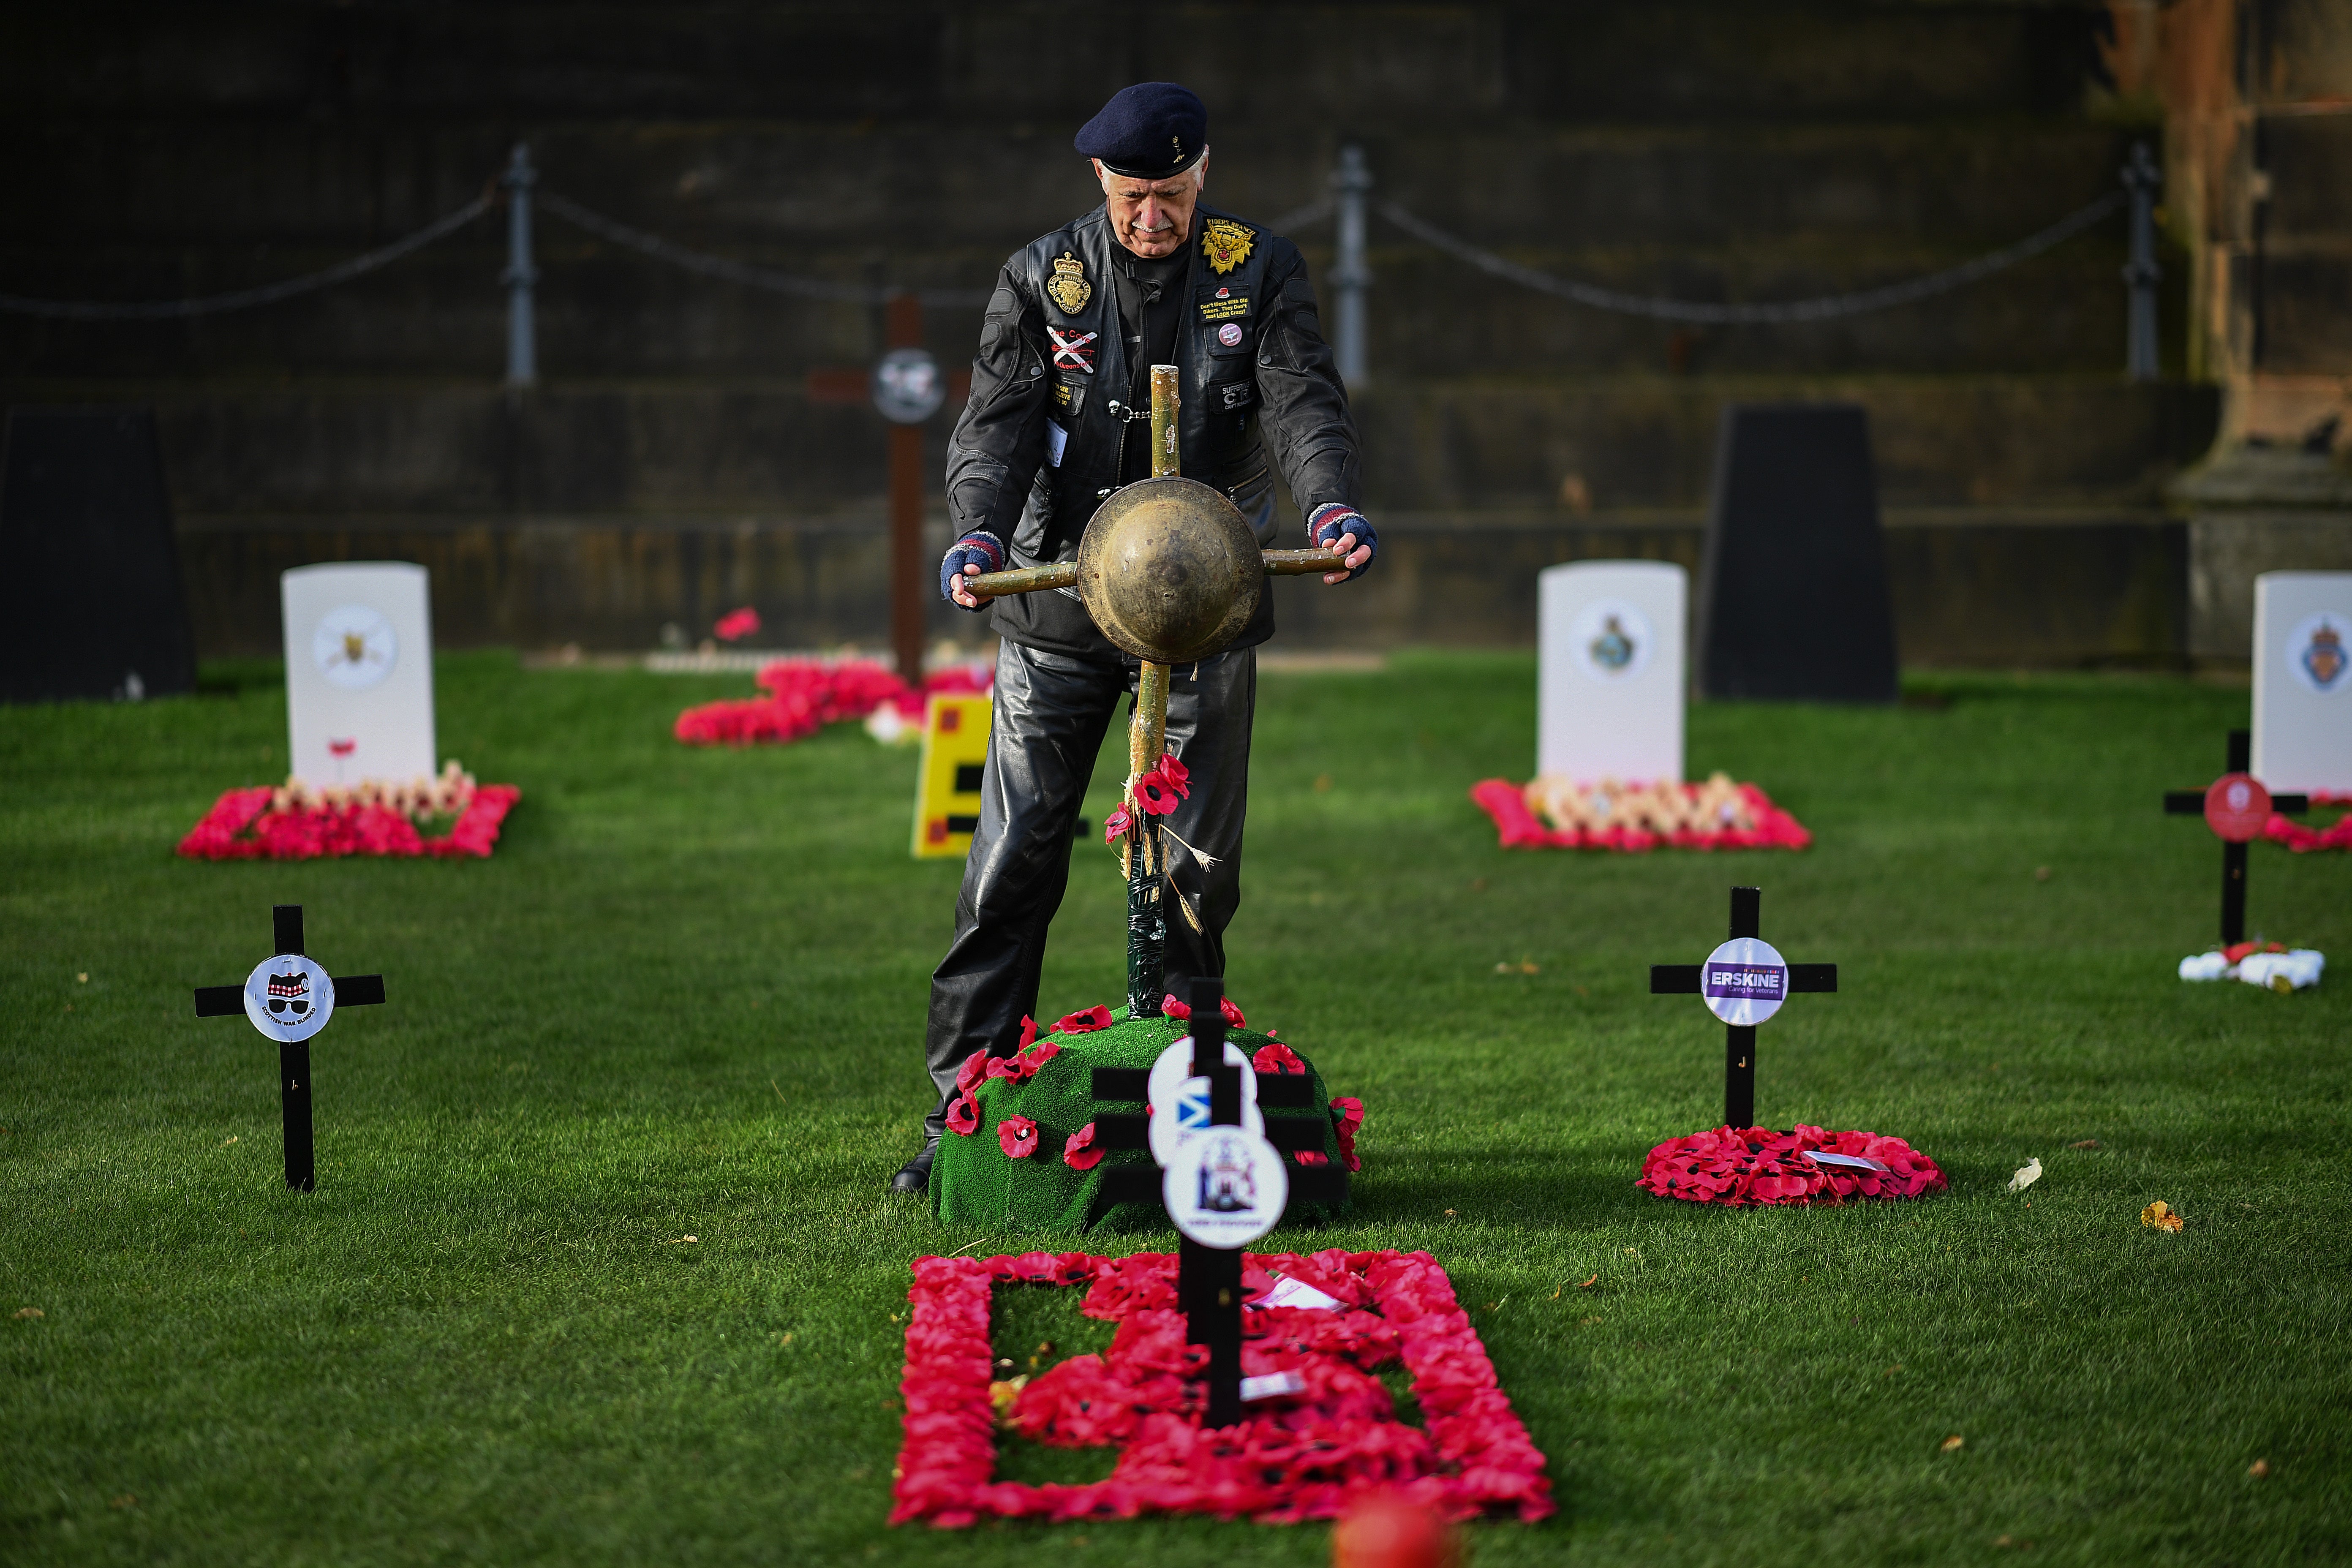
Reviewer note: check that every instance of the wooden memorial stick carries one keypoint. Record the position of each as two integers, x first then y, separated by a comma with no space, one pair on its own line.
293,1055
2229,826
1740,1039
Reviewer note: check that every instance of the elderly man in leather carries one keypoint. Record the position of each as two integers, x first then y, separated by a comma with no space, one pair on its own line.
1060,418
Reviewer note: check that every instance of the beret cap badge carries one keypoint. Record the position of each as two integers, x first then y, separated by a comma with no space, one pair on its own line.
1068,287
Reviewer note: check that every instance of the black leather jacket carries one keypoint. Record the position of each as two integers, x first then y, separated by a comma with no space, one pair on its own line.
1037,448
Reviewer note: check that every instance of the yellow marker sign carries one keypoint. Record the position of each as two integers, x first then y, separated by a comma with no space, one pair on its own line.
947,787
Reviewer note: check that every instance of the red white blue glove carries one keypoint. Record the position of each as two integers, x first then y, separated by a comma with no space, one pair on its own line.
1334,520
977,548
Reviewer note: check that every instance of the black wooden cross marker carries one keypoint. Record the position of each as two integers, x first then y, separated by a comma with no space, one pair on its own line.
1209,1279
1743,979
289,1002
2235,806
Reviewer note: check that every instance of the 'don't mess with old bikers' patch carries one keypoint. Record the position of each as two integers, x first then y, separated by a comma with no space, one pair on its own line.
1225,243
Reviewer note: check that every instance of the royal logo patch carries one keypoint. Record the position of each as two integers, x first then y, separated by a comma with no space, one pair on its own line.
1225,243
1073,350
1068,287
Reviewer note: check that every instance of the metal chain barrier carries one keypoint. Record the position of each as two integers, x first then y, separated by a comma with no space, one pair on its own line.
1827,308
742,272
245,299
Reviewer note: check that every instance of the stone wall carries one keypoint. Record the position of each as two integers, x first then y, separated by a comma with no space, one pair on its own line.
673,461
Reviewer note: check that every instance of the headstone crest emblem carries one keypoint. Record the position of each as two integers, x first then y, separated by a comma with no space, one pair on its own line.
1225,243
1612,650
1068,287
2322,656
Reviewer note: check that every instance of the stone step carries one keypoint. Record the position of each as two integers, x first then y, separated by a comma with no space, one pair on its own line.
1971,587
764,448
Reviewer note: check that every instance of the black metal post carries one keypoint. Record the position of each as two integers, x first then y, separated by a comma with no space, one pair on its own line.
1740,1039
1209,1279
294,1069
2233,855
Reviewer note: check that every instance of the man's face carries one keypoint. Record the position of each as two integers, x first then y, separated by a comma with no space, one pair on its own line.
1153,217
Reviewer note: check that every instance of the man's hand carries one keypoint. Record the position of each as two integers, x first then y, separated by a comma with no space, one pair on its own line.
1342,530
974,554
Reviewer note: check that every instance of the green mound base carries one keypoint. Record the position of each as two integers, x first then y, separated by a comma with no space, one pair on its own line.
973,1182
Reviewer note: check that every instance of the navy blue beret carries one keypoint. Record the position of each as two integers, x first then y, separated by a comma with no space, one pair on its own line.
1152,131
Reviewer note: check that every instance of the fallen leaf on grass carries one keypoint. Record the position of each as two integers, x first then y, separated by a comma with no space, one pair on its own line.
2259,1468
1952,1442
1002,1393
2085,1144
682,1241
1588,1284
30,1313
125,1500
2027,1175
229,1140
2159,1216
2006,1540
1588,1319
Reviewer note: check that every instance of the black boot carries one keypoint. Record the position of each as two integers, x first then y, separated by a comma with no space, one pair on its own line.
915,1176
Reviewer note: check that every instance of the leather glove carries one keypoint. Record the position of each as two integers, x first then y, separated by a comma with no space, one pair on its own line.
978,549
1333,520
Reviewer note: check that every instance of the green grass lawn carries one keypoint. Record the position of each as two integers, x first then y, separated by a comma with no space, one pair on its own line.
686,998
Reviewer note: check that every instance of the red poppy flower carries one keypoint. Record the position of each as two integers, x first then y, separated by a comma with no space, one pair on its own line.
1171,768
1117,823
737,624
1183,1011
1028,1033
1017,1136
1310,1157
1015,1068
1155,796
1079,1153
963,1116
1038,1056
1084,1023
1348,1112
973,1072
1275,1057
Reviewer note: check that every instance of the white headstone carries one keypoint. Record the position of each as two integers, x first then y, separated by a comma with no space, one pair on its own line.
2302,681
1610,685
358,672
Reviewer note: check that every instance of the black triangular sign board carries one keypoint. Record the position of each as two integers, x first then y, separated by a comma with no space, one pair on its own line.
92,604
1792,599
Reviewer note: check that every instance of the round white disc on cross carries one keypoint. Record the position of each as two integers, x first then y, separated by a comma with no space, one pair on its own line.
290,997
1225,1187
1743,981
1179,1102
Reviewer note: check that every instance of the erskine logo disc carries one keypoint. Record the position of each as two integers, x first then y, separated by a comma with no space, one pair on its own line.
1743,981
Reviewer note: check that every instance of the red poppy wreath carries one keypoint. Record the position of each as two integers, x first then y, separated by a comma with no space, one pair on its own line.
1298,1456
1755,1166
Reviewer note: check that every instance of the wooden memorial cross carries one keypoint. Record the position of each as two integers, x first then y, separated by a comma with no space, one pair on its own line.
906,387
1743,983
289,998
2235,806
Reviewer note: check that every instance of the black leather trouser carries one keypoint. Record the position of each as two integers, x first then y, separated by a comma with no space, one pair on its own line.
1051,713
